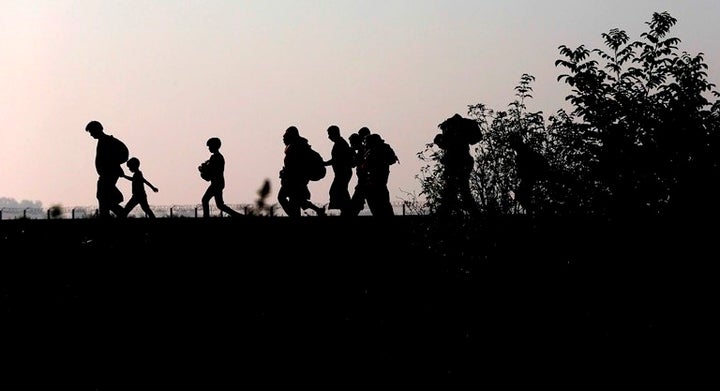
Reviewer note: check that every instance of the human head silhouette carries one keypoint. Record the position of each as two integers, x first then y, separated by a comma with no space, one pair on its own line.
355,140
290,135
95,128
213,144
133,164
363,132
292,131
333,132
373,140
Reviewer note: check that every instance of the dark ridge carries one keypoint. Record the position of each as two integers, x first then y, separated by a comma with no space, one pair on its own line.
231,301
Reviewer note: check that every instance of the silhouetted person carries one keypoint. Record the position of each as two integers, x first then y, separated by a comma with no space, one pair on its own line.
457,135
341,162
378,159
363,133
294,194
531,167
215,167
357,144
139,196
110,154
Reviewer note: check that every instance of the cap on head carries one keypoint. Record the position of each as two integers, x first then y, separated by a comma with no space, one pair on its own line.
93,126
364,131
292,132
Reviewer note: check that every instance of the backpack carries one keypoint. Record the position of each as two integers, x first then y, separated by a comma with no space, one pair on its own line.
120,152
389,155
315,165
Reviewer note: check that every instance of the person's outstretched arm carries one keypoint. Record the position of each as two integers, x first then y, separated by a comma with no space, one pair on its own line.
155,189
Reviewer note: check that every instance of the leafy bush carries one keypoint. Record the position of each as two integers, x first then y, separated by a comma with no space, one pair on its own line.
643,137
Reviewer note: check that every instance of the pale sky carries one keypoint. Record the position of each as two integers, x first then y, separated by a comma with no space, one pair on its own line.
165,75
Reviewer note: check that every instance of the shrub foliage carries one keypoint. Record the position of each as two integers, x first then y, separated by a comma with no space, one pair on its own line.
642,137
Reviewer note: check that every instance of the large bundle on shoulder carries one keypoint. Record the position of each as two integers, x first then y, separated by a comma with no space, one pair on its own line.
389,155
314,165
381,151
461,128
119,151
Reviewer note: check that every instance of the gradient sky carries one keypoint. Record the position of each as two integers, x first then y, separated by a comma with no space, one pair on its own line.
164,76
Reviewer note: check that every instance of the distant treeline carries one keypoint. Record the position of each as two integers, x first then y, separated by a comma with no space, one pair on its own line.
6,202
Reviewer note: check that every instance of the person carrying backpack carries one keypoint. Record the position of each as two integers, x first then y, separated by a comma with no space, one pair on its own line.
294,194
456,136
378,159
110,154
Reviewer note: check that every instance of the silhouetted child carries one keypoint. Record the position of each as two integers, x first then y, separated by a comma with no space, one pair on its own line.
139,197
214,170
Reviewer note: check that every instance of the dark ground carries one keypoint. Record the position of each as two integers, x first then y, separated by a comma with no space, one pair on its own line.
226,303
